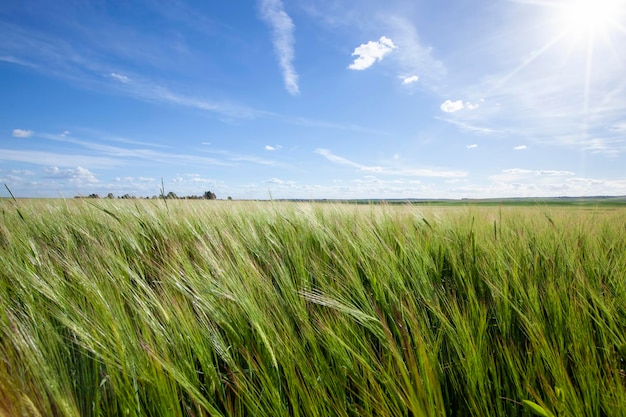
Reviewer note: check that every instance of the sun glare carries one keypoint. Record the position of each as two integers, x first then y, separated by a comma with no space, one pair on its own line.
586,17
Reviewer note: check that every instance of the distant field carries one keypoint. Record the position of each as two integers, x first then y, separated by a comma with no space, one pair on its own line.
223,308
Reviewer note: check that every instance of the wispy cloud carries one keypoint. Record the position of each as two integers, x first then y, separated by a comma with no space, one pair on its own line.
22,133
520,147
272,148
119,77
470,127
472,146
274,15
125,155
77,63
53,158
521,175
409,172
17,61
368,53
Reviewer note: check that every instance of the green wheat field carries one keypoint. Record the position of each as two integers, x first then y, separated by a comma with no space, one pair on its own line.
226,308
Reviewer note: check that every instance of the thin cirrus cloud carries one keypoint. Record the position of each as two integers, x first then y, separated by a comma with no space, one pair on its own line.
520,147
120,77
409,172
274,15
22,133
368,53
472,146
272,148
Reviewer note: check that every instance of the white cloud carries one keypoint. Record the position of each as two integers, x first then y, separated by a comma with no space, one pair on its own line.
18,61
520,147
409,172
273,148
21,172
472,146
274,15
78,175
468,127
134,179
450,106
49,158
410,80
22,133
119,77
275,181
544,176
369,53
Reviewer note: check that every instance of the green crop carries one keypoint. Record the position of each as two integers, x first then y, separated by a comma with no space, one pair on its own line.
221,308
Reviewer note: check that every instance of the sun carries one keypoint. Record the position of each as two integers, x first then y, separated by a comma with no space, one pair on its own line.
588,17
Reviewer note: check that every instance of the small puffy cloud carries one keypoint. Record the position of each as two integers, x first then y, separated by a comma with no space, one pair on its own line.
410,80
520,147
119,77
450,106
22,133
274,15
272,148
369,53
472,146
201,180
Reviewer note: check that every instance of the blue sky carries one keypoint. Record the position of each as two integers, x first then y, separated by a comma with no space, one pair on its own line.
313,98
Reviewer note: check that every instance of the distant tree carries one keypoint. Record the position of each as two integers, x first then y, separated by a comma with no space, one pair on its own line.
229,198
110,195
171,195
209,195
127,196
93,196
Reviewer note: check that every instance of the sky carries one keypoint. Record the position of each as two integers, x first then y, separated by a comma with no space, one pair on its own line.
313,99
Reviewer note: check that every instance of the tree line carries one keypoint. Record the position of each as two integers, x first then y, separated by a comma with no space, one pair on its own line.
207,195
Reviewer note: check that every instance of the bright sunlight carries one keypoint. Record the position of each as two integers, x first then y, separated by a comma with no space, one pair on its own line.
587,17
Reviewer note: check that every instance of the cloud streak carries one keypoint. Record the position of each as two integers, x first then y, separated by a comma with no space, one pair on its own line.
409,172
274,15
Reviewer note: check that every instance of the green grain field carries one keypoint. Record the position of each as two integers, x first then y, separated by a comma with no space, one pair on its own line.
198,308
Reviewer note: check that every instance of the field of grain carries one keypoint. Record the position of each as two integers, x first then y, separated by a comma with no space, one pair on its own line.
216,308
